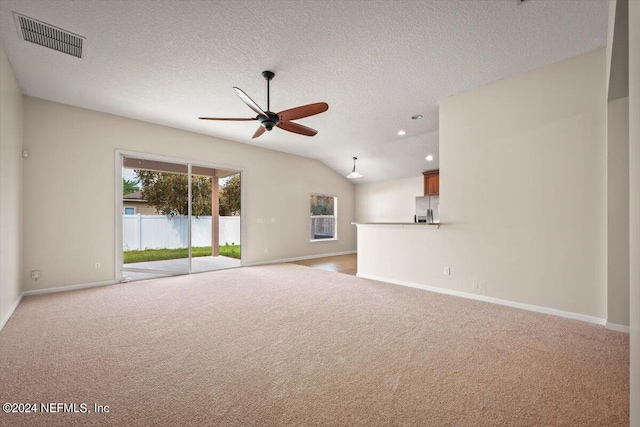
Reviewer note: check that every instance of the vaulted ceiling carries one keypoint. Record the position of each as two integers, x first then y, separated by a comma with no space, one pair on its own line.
375,62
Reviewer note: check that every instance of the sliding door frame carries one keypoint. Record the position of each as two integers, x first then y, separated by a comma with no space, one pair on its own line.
121,154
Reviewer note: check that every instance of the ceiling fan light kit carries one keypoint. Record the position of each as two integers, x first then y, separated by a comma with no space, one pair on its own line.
268,119
353,173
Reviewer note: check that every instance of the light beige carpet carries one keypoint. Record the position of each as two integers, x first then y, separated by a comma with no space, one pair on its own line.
295,346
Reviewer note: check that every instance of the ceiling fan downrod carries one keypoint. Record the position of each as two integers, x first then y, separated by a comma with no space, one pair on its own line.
271,119
268,75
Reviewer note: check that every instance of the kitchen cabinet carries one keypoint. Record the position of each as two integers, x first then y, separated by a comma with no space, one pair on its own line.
431,183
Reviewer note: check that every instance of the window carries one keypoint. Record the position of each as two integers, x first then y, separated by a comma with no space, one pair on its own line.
324,211
129,211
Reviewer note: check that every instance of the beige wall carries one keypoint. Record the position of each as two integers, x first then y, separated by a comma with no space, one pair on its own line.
11,120
388,201
522,194
73,152
618,212
634,203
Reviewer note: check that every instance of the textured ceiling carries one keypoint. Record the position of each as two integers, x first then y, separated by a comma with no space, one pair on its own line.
375,62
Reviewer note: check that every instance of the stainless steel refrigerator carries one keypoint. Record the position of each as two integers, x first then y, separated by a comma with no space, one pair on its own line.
427,209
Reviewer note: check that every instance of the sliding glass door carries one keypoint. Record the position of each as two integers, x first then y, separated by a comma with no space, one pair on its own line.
171,221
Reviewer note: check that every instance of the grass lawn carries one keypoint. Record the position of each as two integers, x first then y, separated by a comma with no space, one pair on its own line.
232,251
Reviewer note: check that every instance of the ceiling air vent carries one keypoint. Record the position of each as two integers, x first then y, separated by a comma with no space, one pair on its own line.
49,36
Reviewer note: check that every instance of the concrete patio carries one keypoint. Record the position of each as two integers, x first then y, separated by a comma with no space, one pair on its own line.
178,266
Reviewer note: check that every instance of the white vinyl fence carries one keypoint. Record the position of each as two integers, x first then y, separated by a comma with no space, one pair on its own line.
323,227
159,232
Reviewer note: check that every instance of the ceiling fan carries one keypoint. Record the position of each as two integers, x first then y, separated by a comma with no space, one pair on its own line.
268,119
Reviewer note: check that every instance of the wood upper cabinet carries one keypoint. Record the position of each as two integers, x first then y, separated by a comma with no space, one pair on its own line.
431,183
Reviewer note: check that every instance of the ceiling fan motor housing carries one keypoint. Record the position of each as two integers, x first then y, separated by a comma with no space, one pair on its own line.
269,121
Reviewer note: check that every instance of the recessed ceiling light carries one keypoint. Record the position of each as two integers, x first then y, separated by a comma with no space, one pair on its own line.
416,117
429,158
401,133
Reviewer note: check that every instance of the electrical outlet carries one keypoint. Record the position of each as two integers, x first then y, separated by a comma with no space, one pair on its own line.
273,220
97,266
266,250
259,220
35,274
447,271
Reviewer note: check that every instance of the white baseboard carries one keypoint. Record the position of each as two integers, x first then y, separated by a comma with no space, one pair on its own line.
616,327
7,316
529,307
68,288
300,258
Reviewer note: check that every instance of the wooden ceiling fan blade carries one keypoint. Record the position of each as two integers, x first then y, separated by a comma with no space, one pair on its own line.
296,128
303,111
226,118
259,132
250,102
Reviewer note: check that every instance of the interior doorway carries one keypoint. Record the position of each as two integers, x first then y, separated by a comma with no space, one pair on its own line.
176,217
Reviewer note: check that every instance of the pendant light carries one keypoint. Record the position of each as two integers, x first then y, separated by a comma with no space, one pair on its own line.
353,173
